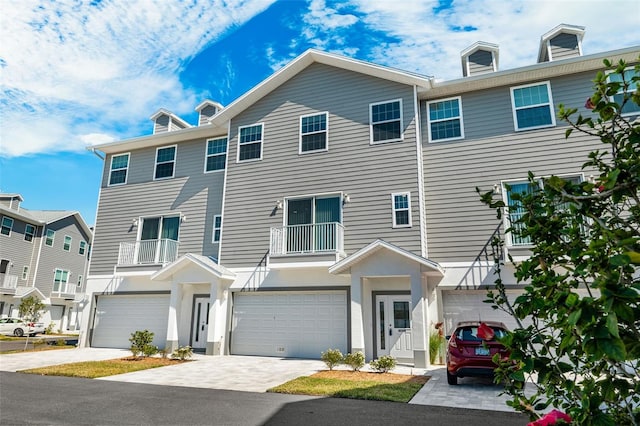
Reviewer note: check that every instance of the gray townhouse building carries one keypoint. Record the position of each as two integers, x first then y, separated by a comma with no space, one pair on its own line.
43,253
333,205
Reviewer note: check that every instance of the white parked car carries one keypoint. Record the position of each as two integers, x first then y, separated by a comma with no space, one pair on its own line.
17,327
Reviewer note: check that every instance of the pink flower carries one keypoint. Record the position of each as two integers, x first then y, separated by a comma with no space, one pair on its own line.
589,104
485,332
551,418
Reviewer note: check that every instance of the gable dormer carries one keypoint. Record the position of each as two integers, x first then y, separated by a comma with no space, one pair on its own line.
166,121
564,41
479,58
207,109
11,201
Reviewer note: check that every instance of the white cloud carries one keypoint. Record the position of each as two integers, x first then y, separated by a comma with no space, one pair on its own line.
69,67
422,40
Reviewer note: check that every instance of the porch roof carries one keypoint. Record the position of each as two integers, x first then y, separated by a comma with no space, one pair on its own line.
22,291
203,262
343,266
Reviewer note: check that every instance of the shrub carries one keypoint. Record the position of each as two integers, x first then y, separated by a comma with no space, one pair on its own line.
435,344
332,357
384,364
61,342
354,360
182,353
141,343
49,329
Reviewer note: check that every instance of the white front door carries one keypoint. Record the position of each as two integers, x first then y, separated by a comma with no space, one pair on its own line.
393,326
200,323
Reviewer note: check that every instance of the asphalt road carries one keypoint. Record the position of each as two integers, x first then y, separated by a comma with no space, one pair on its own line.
31,399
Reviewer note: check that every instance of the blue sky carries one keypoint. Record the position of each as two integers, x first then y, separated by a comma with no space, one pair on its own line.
76,73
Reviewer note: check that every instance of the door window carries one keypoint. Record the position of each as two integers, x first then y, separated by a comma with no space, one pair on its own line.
401,315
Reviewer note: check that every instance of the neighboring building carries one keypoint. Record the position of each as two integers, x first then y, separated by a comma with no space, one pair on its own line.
43,253
331,206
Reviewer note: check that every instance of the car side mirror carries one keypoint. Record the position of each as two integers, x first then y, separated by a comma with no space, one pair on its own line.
447,337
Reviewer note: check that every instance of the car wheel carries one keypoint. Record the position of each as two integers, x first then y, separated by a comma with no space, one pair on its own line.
452,379
18,332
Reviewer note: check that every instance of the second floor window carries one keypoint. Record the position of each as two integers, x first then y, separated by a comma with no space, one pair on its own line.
165,162
250,142
401,204
386,121
82,248
216,155
25,273
532,106
60,280
7,226
51,234
313,132
630,107
29,232
445,120
160,228
67,243
119,168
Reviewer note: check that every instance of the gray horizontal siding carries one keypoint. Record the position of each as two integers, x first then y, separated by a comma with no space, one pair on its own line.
161,124
369,174
480,62
192,193
564,46
14,248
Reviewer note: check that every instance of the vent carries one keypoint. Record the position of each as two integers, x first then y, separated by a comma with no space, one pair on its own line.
479,58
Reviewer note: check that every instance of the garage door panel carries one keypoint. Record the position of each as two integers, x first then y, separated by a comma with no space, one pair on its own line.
293,324
117,316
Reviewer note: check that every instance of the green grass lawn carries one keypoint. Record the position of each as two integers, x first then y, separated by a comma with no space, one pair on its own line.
356,385
94,369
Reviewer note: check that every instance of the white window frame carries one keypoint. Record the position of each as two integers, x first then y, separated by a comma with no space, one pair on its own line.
394,210
156,164
46,237
25,273
261,141
65,243
549,104
371,123
61,282
207,155
325,131
79,281
507,216
82,248
126,169
459,117
219,229
611,99
2,225
33,233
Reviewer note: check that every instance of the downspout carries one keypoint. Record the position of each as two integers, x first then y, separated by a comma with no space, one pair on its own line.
42,237
420,164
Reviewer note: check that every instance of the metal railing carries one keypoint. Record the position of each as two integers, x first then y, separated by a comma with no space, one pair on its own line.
305,239
148,252
60,288
8,281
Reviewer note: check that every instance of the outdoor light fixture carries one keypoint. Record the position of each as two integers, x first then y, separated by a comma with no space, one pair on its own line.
346,198
135,221
278,204
497,188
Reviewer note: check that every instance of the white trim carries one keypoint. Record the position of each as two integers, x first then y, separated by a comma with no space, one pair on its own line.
126,169
261,124
213,234
549,104
371,105
394,211
10,227
174,161
631,90
207,155
55,272
420,167
325,131
33,234
459,117
224,190
64,243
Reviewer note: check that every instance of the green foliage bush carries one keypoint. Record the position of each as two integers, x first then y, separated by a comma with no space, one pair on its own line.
354,360
332,358
384,364
141,343
49,329
435,343
182,353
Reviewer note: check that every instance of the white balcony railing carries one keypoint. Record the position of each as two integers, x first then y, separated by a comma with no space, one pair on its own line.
60,288
148,252
8,281
307,239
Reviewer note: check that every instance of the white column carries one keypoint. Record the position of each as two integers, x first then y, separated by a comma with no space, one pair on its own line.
419,325
213,334
357,324
174,312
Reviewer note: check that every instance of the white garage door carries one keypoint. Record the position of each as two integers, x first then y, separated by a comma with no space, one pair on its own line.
117,316
289,324
468,305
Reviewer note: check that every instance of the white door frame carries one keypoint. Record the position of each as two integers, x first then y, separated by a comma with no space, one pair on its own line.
389,339
200,320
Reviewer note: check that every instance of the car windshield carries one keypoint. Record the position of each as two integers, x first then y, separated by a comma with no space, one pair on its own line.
470,333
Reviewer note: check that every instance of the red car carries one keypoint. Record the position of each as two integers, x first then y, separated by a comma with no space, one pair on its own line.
471,347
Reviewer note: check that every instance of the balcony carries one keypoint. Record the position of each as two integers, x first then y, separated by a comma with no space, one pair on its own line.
63,290
148,252
303,240
8,283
